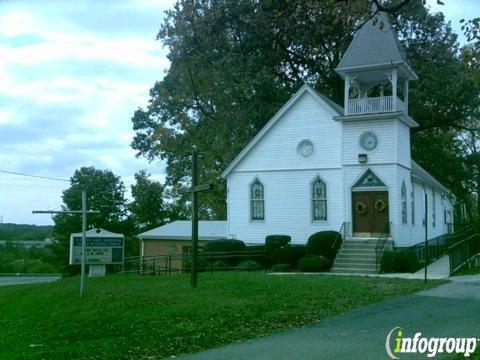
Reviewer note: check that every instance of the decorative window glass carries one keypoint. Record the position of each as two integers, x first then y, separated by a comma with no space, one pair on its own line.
413,205
319,200
369,179
404,203
257,211
434,215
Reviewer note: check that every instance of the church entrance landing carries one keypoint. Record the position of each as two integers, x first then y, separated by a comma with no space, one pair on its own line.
370,215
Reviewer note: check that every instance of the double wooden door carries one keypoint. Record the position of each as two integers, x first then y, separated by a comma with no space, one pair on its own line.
370,212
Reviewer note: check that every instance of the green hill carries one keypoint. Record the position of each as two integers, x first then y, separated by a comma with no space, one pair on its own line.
20,232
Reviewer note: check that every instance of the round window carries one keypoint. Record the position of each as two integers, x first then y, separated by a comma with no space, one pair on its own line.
305,148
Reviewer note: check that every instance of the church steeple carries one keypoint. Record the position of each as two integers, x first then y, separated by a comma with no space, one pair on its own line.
373,67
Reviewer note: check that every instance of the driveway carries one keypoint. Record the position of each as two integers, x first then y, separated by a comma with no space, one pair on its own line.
18,280
450,310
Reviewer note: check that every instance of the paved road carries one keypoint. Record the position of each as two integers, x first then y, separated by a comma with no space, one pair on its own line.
452,310
17,280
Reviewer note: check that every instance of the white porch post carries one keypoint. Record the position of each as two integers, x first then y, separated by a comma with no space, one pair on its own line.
394,89
346,94
405,94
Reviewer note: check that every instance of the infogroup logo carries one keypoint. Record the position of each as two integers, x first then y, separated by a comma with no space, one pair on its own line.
429,346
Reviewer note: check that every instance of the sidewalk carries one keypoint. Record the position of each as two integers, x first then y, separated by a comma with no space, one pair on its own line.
449,310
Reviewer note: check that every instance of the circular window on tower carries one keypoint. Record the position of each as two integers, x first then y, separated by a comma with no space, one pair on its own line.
305,148
368,141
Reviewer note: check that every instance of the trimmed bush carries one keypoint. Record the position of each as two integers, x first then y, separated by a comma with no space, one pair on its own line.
261,257
399,261
249,265
289,255
276,242
202,265
224,245
314,263
281,268
321,243
217,266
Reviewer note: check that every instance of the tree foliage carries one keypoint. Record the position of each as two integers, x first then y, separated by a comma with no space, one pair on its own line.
233,64
147,207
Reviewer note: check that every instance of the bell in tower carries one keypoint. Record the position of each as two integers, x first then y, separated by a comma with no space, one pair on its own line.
374,68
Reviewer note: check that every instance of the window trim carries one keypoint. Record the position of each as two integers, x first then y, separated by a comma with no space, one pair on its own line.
315,180
251,200
403,199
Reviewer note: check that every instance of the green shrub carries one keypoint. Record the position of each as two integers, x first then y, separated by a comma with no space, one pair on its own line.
399,261
249,265
313,263
323,243
217,266
259,256
289,255
276,242
210,249
202,265
281,268
224,245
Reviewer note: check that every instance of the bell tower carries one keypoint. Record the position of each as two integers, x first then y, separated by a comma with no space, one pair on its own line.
375,70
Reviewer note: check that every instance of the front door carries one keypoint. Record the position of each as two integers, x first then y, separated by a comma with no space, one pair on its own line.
369,212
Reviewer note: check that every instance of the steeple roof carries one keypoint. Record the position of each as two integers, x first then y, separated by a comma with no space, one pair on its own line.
375,45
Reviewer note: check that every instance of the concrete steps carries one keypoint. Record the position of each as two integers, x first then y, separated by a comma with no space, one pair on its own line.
357,255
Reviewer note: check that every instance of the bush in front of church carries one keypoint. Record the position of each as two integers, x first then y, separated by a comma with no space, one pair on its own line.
212,249
400,261
276,242
290,255
324,243
314,263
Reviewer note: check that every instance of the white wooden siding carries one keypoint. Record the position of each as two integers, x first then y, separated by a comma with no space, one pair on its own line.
385,151
403,144
287,204
306,119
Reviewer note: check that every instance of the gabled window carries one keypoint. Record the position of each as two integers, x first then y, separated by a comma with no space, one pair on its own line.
434,215
319,200
413,204
257,201
404,203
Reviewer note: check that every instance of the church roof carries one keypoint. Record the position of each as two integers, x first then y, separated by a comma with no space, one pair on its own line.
334,108
98,233
422,174
374,45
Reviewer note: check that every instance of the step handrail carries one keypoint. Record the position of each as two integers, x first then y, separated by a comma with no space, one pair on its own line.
382,239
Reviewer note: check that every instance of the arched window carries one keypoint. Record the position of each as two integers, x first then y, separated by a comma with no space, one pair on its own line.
319,200
413,204
257,201
404,203
434,215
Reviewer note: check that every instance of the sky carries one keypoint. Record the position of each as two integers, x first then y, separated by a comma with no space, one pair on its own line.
72,72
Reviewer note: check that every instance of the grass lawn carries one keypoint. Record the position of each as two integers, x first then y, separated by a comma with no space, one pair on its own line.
134,317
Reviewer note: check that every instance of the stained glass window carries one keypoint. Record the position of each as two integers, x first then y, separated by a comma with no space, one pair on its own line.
404,203
257,201
319,200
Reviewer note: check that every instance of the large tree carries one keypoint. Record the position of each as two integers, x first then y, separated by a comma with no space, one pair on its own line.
105,193
233,64
147,207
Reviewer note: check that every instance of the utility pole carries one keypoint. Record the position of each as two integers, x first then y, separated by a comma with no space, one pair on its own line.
84,213
426,235
195,189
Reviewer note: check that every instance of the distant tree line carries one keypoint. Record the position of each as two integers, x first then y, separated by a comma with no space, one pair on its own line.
20,232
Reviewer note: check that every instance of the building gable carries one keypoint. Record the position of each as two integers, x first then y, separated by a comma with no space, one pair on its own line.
289,126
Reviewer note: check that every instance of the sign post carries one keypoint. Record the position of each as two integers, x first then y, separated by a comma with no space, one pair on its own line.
84,213
195,189
426,235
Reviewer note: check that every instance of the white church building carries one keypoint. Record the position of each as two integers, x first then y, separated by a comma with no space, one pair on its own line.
318,166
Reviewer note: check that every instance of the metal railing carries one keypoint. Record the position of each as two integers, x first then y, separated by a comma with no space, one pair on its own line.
462,252
374,105
438,246
342,233
208,261
382,240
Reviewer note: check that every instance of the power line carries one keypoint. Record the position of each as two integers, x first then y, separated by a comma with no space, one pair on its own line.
33,176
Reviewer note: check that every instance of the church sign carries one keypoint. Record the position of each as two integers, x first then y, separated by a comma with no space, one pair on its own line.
99,250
